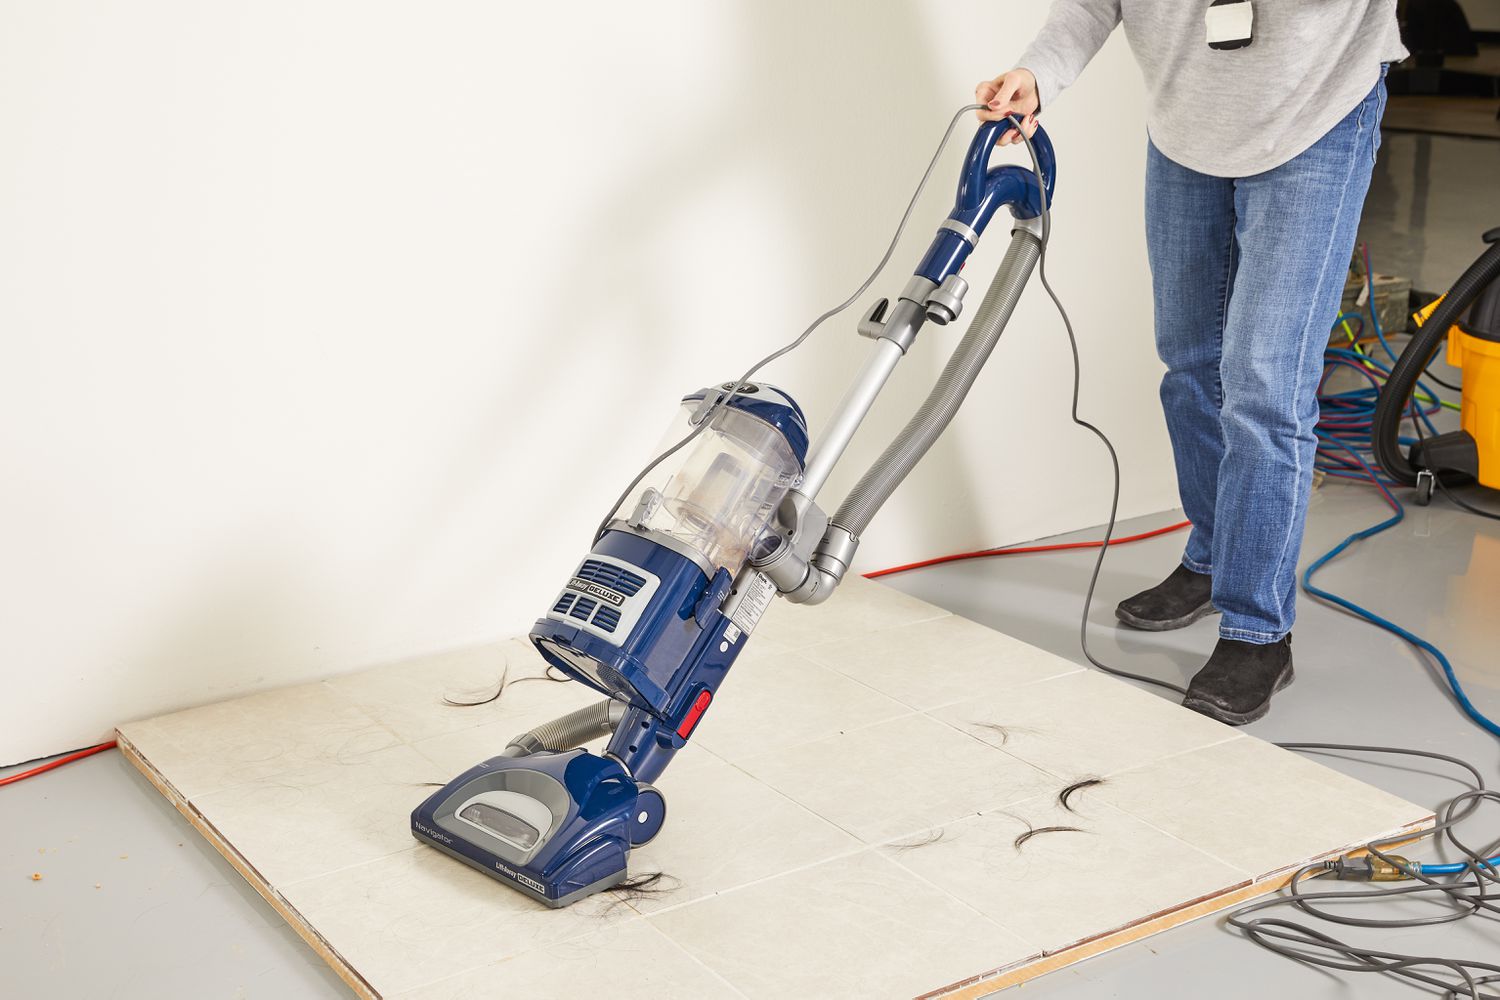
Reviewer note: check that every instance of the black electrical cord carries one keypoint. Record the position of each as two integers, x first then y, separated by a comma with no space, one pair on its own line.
1433,378
1461,503
1442,487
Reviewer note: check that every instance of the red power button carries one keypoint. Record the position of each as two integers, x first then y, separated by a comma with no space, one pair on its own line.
699,706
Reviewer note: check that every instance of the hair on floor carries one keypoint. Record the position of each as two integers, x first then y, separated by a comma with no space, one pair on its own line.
639,887
923,840
503,683
1077,786
1038,830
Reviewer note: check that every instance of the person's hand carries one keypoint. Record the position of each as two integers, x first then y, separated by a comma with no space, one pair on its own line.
1012,93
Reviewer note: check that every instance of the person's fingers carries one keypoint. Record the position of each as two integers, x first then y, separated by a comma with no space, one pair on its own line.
1005,92
1028,123
1010,94
985,94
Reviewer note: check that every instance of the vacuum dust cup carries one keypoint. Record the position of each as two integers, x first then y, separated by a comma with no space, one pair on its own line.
715,495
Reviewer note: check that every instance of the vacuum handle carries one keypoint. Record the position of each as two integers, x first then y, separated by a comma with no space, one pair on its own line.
978,179
982,189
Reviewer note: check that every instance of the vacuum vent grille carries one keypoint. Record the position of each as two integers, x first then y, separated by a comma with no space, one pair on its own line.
613,577
605,597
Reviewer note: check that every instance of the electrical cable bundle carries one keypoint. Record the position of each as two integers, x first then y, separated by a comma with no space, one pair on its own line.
1347,417
1456,891
1346,449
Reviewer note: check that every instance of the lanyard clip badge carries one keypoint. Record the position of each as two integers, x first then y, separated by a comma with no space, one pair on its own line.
1230,23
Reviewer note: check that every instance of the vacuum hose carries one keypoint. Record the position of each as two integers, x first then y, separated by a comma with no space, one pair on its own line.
568,731
1396,395
942,403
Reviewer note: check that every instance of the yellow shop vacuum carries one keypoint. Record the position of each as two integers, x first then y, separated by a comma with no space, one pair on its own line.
1469,315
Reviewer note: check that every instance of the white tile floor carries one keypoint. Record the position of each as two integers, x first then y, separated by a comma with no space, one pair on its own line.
1062,888
898,778
859,926
1084,723
843,827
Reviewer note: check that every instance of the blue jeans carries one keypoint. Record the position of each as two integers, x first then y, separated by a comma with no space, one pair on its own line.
1247,273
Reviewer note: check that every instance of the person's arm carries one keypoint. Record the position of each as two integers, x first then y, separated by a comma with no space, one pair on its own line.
1074,32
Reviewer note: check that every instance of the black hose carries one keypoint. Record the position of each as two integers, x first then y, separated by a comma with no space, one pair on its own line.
1395,397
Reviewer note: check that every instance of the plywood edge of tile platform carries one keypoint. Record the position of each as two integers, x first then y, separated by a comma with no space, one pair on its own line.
1015,975
247,871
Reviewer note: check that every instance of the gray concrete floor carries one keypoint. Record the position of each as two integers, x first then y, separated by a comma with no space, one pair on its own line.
1431,198
132,903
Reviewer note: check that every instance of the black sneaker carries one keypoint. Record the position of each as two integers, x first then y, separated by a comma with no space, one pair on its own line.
1179,600
1237,683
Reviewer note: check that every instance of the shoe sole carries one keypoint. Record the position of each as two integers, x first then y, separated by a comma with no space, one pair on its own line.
1241,718
1168,624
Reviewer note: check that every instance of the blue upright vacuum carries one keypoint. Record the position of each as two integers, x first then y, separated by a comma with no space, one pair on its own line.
658,611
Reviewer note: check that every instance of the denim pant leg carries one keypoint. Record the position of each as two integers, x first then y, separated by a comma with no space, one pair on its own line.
1295,228
1190,244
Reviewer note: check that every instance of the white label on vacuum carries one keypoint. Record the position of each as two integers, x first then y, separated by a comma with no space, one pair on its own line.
759,591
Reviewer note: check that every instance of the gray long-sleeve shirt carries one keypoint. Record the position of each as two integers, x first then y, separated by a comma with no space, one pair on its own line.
1235,112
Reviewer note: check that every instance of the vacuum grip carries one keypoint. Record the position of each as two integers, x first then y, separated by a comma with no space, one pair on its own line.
977,179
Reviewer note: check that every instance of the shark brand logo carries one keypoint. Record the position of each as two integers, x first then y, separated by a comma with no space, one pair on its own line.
594,590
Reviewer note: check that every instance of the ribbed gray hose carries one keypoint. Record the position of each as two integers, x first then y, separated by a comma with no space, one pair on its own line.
568,731
895,464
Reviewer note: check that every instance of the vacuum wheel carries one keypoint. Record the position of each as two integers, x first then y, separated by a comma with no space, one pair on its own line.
1425,482
647,817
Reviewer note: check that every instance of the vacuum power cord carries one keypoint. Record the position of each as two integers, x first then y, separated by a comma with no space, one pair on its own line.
1114,458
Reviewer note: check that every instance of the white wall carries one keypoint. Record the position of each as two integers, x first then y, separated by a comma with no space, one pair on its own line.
329,328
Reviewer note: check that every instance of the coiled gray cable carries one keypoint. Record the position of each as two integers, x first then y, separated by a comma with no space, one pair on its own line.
1114,458
1469,893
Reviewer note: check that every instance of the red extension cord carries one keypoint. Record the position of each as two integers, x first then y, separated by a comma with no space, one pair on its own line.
1017,550
59,762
